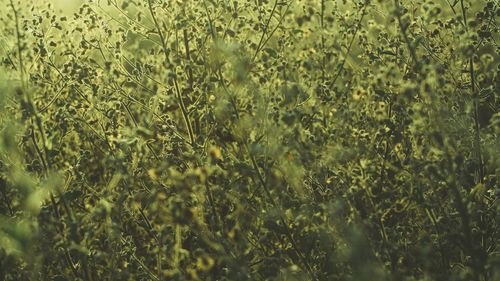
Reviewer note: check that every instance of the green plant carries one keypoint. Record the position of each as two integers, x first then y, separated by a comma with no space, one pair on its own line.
249,140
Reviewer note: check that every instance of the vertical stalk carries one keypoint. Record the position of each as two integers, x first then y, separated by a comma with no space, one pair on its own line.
176,85
466,228
210,22
323,58
158,261
178,245
184,111
342,64
19,45
264,30
475,101
36,119
282,219
411,47
322,24
462,206
188,58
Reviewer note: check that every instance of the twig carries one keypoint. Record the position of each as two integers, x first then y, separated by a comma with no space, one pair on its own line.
19,45
404,28
475,100
341,66
179,97
264,30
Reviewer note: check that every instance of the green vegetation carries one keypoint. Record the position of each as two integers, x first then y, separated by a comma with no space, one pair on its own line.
250,140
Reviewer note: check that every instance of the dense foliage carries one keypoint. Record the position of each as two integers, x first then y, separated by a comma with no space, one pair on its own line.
250,140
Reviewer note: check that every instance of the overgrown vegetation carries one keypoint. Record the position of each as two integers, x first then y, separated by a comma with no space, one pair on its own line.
250,140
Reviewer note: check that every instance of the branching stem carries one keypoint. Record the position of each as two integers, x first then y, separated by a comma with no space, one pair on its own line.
176,85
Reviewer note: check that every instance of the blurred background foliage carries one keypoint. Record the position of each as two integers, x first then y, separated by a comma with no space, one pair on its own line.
249,140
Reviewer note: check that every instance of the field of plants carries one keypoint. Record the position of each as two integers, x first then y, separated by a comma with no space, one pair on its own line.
236,140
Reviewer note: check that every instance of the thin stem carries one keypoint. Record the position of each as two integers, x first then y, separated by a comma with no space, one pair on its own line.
184,112
264,30
323,60
19,45
6,200
210,21
179,97
137,126
44,156
280,21
475,100
411,47
188,58
288,232
341,66
178,245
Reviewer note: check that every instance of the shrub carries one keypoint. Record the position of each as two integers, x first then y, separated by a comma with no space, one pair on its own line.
250,140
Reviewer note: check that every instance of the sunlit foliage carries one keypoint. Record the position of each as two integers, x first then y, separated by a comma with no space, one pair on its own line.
249,140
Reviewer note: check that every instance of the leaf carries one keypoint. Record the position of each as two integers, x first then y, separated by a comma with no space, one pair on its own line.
271,52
